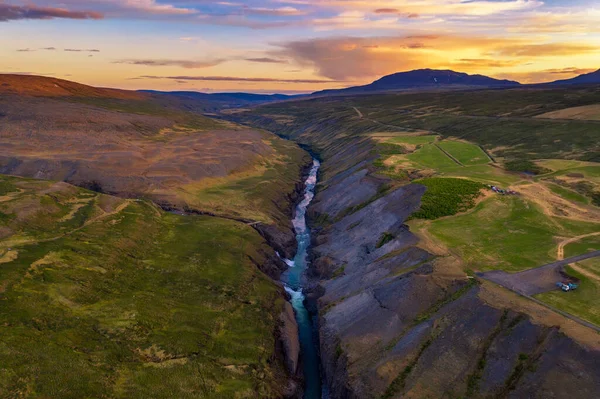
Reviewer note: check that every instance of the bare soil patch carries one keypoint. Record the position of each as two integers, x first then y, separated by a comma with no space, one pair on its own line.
42,86
556,206
586,112
560,253
116,152
9,256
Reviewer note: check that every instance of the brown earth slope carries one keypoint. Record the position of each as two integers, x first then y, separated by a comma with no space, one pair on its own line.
127,144
40,86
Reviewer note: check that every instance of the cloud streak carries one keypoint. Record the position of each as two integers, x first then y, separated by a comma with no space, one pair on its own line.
266,60
238,79
13,13
79,50
197,64
188,64
435,7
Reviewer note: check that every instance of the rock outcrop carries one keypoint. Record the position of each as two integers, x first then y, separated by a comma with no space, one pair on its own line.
394,323
289,338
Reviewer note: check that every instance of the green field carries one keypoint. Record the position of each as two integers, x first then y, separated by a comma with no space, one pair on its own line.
567,194
431,157
465,153
475,162
105,297
414,140
484,174
7,186
563,167
505,233
582,246
583,302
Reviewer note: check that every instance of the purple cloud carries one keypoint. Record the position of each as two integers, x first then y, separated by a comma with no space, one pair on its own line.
238,79
266,60
11,13
189,64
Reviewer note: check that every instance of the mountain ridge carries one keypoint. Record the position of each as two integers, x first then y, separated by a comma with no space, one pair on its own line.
418,79
228,100
423,78
586,78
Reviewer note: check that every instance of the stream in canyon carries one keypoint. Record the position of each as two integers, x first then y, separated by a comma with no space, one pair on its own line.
294,281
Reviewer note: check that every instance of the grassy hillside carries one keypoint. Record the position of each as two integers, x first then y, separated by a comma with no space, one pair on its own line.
139,145
106,297
259,191
502,121
507,233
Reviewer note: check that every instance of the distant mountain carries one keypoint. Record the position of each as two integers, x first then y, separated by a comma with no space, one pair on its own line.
227,100
588,78
425,79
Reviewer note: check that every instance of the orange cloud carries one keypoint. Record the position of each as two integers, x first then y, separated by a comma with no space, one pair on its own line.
356,57
360,58
481,63
547,49
188,64
546,75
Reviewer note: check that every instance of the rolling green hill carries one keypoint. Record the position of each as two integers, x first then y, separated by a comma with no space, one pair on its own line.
106,297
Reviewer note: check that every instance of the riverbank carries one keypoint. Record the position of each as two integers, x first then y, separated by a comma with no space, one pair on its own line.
295,283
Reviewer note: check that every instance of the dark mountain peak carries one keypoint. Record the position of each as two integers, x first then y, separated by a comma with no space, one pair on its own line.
424,79
436,77
587,78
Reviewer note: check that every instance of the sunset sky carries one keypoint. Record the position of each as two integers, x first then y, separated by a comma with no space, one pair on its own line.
294,45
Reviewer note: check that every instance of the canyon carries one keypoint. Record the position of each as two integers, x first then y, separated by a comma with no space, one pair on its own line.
282,228
396,318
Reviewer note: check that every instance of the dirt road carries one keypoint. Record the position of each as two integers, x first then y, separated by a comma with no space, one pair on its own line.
560,253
